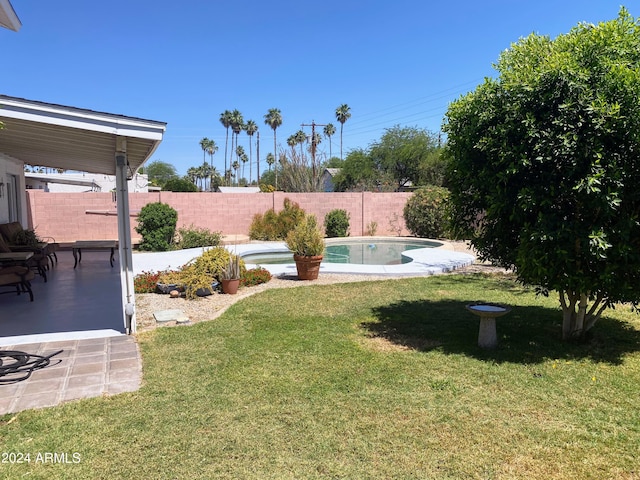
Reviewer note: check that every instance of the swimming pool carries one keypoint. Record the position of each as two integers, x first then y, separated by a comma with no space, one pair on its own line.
427,260
393,256
359,252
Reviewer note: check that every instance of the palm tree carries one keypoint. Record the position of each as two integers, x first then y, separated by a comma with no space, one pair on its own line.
300,137
225,120
237,125
236,165
216,179
211,149
343,113
273,118
204,144
239,154
207,170
192,173
251,127
270,160
199,175
328,131
292,141
244,159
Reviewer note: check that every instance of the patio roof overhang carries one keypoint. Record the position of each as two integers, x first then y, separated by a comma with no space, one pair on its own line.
69,138
8,17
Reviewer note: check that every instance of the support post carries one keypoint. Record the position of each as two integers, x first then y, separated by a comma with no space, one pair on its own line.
124,236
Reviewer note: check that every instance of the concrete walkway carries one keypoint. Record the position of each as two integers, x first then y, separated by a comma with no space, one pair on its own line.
86,368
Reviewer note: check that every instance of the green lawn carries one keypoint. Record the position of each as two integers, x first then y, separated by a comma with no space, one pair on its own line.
357,381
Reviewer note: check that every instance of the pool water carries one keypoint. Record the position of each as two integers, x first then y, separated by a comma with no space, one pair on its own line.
360,253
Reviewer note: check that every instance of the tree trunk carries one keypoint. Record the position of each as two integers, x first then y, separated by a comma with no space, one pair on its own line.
577,319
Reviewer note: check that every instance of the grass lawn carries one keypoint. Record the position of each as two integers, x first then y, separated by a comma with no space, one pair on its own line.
360,381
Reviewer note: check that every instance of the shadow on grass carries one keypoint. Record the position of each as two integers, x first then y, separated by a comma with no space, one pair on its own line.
528,334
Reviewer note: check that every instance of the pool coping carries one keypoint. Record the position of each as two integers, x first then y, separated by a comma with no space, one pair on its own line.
426,261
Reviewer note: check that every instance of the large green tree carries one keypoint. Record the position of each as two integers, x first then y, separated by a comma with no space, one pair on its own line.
403,153
546,166
160,172
357,172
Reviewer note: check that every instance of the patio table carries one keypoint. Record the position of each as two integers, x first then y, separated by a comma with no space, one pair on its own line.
15,257
94,245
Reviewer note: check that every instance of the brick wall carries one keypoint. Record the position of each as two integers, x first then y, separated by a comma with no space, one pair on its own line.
92,216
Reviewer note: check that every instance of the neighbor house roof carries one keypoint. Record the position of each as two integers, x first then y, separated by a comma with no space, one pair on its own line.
8,17
71,138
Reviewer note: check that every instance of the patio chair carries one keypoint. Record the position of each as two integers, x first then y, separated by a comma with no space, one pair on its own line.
39,261
10,231
18,278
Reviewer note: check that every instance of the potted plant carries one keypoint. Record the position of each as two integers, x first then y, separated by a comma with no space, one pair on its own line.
307,244
230,276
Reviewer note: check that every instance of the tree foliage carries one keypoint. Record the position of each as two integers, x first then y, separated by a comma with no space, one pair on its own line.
160,172
357,172
180,185
545,166
403,156
402,152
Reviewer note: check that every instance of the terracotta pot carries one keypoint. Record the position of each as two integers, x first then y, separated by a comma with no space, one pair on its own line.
230,286
308,267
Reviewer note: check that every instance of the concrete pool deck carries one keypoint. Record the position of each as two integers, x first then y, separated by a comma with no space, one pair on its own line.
426,261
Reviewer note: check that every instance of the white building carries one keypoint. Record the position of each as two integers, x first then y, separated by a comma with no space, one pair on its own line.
82,182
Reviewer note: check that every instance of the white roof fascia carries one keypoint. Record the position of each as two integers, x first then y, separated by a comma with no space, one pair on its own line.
8,17
82,119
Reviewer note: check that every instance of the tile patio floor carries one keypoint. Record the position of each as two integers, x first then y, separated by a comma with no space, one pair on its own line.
86,368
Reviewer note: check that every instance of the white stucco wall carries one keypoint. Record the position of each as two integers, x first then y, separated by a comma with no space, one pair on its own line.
12,166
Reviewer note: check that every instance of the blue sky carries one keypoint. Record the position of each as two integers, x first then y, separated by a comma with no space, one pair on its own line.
397,62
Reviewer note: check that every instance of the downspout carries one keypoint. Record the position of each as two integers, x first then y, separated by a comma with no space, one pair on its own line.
124,237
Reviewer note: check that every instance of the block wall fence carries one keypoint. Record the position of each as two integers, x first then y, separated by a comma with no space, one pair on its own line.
68,217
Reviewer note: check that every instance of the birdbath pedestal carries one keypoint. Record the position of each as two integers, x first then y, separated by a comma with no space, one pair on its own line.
487,335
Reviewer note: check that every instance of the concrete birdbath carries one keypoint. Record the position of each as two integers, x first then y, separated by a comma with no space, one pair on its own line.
488,312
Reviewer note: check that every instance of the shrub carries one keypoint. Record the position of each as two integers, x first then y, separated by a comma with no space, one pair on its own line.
193,237
425,213
276,226
201,272
157,225
263,226
146,282
336,223
289,217
255,276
